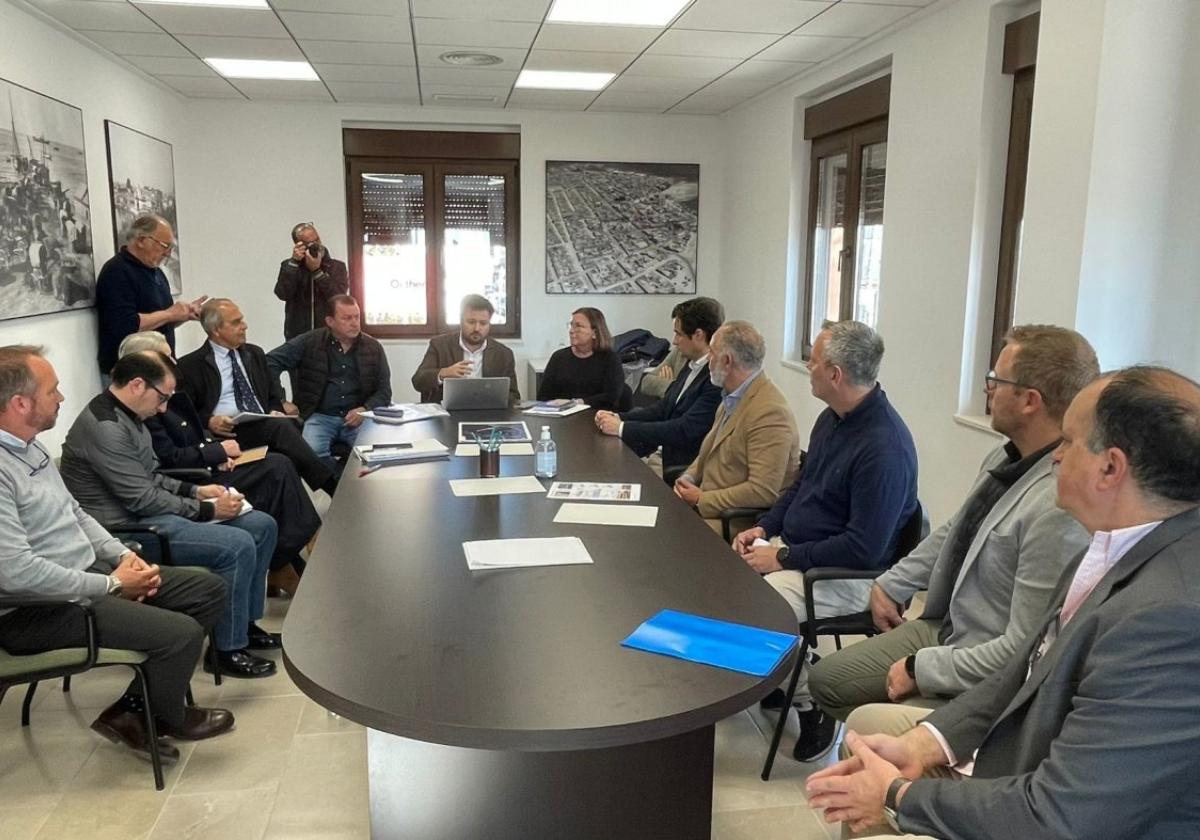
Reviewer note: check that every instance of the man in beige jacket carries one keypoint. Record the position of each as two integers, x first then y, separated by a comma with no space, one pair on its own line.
752,450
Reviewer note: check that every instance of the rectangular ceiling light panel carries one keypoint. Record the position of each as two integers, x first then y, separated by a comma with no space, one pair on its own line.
616,12
563,80
253,68
227,4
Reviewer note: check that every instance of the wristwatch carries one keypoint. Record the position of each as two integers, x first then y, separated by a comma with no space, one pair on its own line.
781,556
889,801
910,665
114,585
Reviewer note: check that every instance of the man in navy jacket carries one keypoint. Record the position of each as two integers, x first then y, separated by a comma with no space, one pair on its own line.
680,420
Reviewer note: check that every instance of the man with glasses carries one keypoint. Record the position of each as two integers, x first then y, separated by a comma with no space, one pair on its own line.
109,465
990,570
306,282
132,292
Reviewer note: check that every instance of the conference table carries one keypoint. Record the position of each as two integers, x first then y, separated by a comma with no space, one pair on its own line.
500,703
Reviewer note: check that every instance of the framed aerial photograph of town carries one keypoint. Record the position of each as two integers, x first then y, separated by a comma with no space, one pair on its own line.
141,179
45,222
621,228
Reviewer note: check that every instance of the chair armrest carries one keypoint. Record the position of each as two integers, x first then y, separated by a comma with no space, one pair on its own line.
729,514
672,473
817,574
148,535
192,475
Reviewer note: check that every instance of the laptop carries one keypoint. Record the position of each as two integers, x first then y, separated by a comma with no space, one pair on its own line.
464,394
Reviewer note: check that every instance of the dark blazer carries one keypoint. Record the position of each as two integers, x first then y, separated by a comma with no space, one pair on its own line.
201,381
677,425
445,350
1103,738
181,440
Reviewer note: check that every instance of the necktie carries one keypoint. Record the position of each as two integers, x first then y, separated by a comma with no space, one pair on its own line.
243,394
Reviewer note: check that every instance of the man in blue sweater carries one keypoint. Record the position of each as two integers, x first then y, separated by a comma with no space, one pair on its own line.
847,507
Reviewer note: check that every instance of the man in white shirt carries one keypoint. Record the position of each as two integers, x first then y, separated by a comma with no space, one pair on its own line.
1091,730
466,352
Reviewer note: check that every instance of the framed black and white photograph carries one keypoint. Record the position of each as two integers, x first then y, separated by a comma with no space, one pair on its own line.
622,228
141,180
46,260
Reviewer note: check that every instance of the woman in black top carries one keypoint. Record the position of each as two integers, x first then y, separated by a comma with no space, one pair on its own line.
588,369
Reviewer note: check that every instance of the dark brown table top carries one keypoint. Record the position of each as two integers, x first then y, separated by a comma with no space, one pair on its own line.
391,629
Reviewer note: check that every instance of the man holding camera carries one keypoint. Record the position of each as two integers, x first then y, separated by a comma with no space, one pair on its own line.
307,281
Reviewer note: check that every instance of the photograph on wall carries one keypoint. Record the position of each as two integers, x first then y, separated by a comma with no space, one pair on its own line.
622,228
45,223
141,180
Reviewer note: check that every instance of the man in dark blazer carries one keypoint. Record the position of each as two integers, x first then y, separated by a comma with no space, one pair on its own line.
466,352
226,375
679,421
1091,730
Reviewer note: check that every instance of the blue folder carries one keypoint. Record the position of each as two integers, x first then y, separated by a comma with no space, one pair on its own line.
749,650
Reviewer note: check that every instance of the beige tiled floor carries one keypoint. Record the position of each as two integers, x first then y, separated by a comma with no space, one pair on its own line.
289,771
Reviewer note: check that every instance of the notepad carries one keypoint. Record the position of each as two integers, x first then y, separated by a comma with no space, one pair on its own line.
471,450
249,456
578,513
519,553
709,641
495,486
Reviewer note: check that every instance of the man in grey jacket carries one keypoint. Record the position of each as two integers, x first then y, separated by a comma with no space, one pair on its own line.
991,569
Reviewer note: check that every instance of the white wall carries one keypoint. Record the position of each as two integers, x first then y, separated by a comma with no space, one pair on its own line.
39,56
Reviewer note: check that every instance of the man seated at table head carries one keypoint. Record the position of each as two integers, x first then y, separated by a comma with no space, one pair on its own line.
1090,728
991,569
109,465
338,372
849,504
53,550
678,422
466,352
227,375
751,452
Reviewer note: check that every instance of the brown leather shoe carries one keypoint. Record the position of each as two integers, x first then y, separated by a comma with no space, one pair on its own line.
284,578
198,723
129,728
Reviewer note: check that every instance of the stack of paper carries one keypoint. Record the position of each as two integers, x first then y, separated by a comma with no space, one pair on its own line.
514,554
581,514
391,453
557,408
254,416
495,486
398,413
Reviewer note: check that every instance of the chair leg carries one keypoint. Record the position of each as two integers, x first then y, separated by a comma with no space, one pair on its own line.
212,657
67,684
28,704
786,710
151,729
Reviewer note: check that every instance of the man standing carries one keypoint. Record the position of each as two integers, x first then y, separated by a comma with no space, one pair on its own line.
306,282
466,352
132,293
339,372
991,570
226,375
854,496
1089,730
52,549
109,465
679,421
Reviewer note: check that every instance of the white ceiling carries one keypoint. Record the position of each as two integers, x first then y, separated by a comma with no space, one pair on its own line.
714,55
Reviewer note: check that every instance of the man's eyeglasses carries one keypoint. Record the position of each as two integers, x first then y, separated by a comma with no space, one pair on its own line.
166,246
33,469
992,380
162,398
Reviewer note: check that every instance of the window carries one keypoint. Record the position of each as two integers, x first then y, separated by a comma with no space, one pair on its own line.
845,213
433,217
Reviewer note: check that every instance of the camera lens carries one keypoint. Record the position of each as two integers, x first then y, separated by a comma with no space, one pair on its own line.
314,249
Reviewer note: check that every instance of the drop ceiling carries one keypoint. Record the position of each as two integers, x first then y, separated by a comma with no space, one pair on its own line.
713,56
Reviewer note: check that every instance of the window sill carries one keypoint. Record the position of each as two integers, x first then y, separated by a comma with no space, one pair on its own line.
979,422
792,364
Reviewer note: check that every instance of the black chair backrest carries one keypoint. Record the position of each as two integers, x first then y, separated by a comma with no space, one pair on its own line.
626,402
914,530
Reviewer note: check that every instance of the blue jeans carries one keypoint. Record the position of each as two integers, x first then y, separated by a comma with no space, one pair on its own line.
239,550
321,431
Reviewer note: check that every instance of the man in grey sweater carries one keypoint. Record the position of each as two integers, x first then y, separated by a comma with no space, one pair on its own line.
50,549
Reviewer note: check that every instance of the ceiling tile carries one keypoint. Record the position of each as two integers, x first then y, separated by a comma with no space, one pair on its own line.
200,20
472,33
595,62
88,14
211,46
778,16
774,71
567,100
366,73
137,43
570,36
374,92
805,48
526,10
357,52
681,66
613,100
707,104
695,42
327,27
276,89
661,85
466,77
744,88
357,7
161,66
209,88
888,2
510,58
856,20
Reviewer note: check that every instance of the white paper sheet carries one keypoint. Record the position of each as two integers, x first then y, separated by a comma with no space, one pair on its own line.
513,554
496,486
471,450
576,513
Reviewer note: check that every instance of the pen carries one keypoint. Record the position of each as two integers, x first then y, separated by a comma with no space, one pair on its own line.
365,471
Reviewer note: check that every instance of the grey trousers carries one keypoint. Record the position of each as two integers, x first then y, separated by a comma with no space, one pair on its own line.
169,628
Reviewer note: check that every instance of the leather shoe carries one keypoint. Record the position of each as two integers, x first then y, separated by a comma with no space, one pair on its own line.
240,663
198,723
284,579
122,726
774,701
818,731
260,639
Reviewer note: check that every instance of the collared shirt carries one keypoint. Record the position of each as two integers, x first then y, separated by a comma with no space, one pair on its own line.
342,385
475,357
730,401
227,404
694,369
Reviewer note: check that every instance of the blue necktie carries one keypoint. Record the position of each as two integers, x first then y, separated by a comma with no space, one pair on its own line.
243,394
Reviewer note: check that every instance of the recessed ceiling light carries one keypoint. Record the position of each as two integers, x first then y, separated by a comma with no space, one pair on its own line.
462,97
470,59
563,80
616,12
237,4
253,68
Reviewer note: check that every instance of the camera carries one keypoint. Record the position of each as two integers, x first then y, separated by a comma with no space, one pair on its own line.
314,249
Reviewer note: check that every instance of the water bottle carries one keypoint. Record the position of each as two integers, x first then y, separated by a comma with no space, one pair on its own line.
545,461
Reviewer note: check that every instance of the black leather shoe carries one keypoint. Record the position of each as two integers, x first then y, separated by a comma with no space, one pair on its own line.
198,723
260,639
773,702
817,731
239,663
129,728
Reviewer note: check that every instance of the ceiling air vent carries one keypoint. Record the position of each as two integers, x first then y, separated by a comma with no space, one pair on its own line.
471,59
